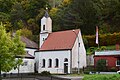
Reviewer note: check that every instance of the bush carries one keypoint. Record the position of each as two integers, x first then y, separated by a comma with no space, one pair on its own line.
86,72
104,39
101,65
113,69
45,73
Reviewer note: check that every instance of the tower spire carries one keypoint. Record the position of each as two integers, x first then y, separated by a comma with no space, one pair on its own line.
46,12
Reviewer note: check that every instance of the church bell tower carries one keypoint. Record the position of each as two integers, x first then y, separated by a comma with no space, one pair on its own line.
46,27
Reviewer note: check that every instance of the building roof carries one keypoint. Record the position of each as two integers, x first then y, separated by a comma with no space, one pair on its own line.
27,55
101,53
62,40
28,42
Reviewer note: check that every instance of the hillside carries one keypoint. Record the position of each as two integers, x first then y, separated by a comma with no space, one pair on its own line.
66,14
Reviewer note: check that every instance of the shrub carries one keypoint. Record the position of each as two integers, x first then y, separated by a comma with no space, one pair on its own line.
45,73
86,72
101,65
113,69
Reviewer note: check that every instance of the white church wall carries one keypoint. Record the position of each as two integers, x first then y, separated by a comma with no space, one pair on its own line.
61,55
42,38
75,55
48,24
43,22
82,53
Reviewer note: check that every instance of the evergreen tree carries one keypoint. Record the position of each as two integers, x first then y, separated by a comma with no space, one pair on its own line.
81,14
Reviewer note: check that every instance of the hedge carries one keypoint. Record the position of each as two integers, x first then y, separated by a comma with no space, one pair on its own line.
104,39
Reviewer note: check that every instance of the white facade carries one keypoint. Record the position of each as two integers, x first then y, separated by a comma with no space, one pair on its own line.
60,55
81,54
71,55
46,28
66,60
46,25
43,37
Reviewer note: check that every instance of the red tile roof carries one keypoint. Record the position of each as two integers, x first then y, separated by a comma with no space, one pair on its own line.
62,40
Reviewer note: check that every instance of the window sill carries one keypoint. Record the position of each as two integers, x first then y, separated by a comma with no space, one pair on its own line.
43,67
49,67
56,66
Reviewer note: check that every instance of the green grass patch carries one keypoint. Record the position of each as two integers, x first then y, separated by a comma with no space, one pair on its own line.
102,77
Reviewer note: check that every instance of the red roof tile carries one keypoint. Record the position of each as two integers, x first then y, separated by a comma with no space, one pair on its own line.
61,40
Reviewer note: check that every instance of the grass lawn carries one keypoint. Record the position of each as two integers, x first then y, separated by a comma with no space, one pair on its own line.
102,77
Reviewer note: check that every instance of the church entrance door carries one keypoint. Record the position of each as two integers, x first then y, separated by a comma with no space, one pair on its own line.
65,68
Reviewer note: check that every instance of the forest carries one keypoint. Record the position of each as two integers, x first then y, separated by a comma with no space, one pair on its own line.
25,15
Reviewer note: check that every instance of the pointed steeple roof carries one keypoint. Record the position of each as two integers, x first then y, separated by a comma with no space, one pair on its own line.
46,13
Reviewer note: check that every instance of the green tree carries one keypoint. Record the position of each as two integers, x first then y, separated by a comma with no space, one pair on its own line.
5,5
74,14
81,14
4,17
27,33
32,7
18,15
9,48
110,15
57,15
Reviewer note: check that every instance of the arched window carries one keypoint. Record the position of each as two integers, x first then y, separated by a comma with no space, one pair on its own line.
56,63
50,63
43,63
43,27
65,60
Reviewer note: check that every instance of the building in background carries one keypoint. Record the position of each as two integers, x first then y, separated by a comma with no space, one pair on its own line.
112,58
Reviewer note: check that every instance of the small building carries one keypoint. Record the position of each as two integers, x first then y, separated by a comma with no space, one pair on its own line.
28,59
112,58
27,65
59,52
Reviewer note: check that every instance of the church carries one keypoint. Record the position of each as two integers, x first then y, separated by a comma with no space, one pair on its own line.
59,52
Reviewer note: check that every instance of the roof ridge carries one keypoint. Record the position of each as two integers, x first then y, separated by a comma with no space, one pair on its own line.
65,31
